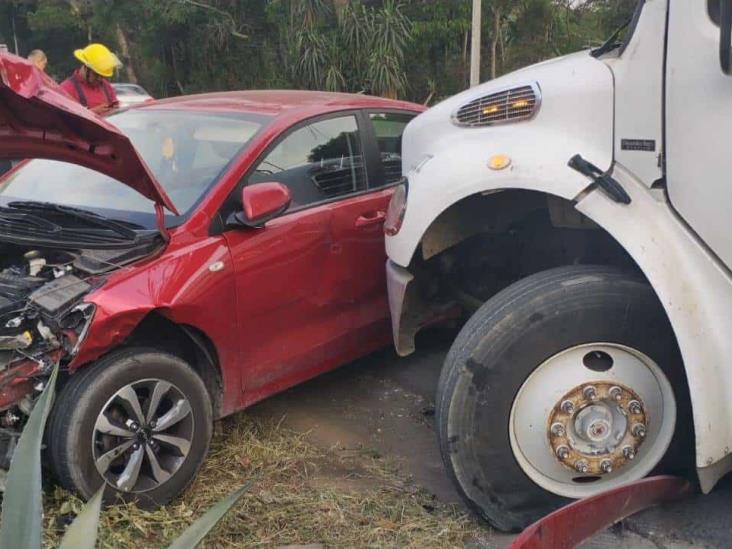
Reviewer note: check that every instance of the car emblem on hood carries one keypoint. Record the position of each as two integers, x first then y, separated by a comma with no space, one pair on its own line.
39,120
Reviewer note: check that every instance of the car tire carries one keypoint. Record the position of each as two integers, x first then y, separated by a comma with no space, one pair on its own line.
97,433
501,400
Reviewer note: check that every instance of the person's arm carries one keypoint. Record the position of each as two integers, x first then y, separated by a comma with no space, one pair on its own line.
107,107
112,94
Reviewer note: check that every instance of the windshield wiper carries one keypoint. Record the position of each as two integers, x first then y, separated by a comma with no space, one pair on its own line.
31,221
92,218
612,42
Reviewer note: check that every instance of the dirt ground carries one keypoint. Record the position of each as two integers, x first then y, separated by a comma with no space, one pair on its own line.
350,460
385,404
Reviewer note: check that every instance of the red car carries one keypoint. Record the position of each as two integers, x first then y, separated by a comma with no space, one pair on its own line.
181,261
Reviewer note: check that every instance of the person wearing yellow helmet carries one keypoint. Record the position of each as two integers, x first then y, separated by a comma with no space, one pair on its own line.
89,84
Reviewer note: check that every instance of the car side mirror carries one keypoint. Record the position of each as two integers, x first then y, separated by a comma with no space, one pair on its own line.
725,36
262,202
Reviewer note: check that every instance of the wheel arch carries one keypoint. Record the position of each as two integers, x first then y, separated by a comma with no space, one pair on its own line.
694,289
188,343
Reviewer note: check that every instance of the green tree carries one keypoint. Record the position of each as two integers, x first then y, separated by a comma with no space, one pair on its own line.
416,49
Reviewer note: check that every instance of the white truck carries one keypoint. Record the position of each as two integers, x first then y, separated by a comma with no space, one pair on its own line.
579,212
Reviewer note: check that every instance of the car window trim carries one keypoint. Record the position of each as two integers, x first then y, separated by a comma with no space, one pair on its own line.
223,214
369,124
309,122
218,224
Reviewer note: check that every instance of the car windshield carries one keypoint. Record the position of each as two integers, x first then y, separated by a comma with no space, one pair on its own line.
187,151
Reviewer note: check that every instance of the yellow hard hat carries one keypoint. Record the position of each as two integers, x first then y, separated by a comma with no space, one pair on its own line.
99,59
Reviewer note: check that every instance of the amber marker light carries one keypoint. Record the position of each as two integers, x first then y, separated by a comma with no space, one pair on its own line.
493,109
522,104
499,162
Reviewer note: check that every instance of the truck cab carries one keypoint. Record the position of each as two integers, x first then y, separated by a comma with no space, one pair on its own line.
574,214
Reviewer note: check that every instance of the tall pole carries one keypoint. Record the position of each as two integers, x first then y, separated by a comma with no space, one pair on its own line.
15,35
475,45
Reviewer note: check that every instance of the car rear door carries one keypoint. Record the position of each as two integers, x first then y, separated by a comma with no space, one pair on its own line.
358,227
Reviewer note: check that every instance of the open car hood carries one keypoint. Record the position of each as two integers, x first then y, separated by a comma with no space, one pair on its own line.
39,120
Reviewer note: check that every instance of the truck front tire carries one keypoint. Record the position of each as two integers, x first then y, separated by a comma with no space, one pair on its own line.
558,387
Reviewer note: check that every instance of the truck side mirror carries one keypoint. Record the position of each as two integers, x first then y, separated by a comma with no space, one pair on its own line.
725,36
262,202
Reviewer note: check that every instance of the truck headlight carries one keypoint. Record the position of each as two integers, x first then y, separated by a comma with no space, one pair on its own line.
397,209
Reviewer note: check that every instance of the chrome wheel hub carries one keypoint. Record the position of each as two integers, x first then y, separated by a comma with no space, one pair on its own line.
142,435
591,418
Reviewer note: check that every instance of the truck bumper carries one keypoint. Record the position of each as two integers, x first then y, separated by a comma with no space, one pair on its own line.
398,281
410,311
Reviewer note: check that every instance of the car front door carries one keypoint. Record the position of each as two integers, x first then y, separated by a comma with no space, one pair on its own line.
293,277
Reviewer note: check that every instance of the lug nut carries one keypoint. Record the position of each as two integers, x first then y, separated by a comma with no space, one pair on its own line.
639,430
616,393
635,407
153,424
562,452
558,430
606,466
581,466
628,452
567,407
590,392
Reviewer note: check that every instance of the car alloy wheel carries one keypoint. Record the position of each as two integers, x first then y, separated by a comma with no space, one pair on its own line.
142,435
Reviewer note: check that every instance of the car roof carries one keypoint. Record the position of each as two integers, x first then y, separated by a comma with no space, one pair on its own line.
280,102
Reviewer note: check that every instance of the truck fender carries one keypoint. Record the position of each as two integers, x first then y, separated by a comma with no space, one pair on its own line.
695,289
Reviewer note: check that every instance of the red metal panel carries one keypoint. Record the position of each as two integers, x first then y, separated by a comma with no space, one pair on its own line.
574,523
280,304
39,120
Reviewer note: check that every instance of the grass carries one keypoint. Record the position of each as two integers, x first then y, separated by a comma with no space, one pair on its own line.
301,494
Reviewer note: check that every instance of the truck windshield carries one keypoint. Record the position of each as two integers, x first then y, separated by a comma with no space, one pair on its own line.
187,151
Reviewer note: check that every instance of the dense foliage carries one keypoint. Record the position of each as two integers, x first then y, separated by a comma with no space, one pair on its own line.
416,49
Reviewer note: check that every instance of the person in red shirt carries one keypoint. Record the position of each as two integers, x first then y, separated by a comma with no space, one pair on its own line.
89,84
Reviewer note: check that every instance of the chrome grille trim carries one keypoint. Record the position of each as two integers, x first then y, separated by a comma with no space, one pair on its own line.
500,107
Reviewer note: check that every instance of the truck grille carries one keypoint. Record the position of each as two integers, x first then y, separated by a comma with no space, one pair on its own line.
514,105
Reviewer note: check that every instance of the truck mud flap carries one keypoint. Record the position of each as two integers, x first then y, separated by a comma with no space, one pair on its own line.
580,520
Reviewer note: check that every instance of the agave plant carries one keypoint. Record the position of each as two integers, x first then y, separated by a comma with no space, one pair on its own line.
392,29
385,73
355,33
312,48
391,33
366,51
21,522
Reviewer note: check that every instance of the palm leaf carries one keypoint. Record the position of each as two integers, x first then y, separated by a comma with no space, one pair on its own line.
82,534
21,523
194,534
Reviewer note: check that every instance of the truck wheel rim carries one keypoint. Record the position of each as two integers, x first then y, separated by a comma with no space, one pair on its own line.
142,435
590,418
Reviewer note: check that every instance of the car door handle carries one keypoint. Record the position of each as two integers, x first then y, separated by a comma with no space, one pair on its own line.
371,218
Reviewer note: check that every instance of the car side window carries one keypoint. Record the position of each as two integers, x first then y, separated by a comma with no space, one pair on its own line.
317,162
388,128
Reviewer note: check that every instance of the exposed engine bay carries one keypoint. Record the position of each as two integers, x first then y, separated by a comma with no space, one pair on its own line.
43,318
